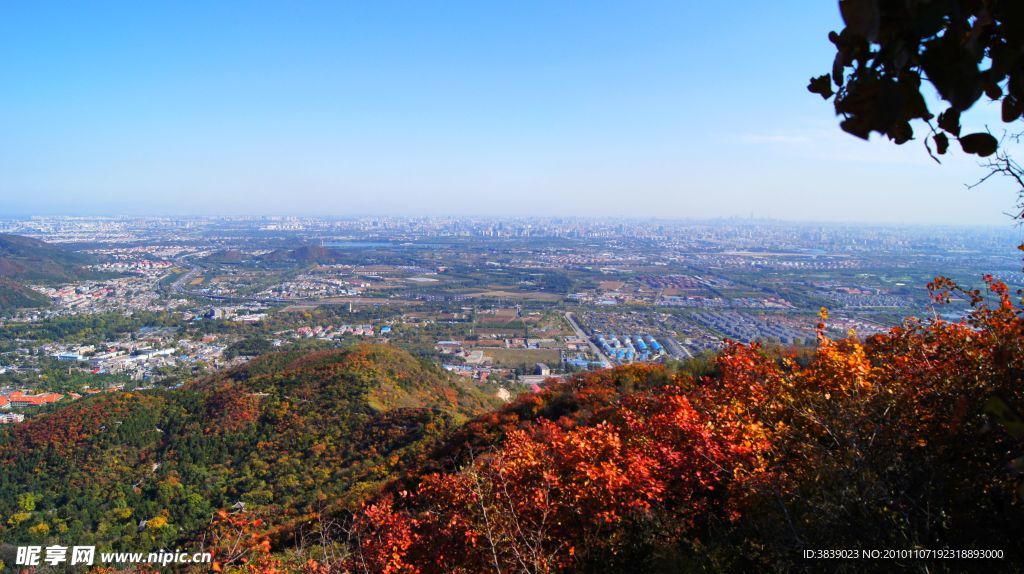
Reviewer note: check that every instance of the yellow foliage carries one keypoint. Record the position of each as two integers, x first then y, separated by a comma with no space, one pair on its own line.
42,529
121,513
18,518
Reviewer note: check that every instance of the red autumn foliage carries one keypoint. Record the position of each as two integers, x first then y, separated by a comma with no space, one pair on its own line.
907,438
238,540
230,408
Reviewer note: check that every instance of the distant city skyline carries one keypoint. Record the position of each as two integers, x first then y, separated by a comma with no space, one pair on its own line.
19,223
1006,224
636,110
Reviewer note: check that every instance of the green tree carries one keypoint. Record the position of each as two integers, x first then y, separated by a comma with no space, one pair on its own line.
27,502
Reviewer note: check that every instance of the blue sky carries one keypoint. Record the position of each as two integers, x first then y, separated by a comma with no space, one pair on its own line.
668,109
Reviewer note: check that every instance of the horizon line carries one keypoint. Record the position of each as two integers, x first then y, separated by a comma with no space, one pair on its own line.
1013,223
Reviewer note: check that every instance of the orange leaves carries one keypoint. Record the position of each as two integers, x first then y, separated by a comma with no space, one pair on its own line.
822,317
385,537
840,367
549,483
239,538
588,470
230,408
571,476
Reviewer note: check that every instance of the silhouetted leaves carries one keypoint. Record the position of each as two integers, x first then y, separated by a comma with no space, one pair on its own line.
861,17
953,70
981,144
887,48
822,85
1012,108
949,120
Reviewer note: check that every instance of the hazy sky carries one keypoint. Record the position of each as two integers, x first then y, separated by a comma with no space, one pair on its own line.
673,109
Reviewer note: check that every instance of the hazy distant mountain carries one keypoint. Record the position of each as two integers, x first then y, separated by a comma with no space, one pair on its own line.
306,254
14,295
23,259
27,259
228,256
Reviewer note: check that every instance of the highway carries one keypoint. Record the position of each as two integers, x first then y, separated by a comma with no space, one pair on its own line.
180,287
674,348
605,361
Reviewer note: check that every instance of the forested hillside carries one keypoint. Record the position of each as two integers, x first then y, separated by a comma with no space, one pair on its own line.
25,259
14,296
364,460
290,435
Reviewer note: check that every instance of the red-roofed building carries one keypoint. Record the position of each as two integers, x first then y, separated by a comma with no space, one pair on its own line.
4,403
20,399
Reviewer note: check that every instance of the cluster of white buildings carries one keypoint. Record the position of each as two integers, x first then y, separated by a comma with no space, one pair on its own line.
138,359
314,286
137,265
336,332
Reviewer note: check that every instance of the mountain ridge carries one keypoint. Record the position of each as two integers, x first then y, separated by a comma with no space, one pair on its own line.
293,434
25,259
